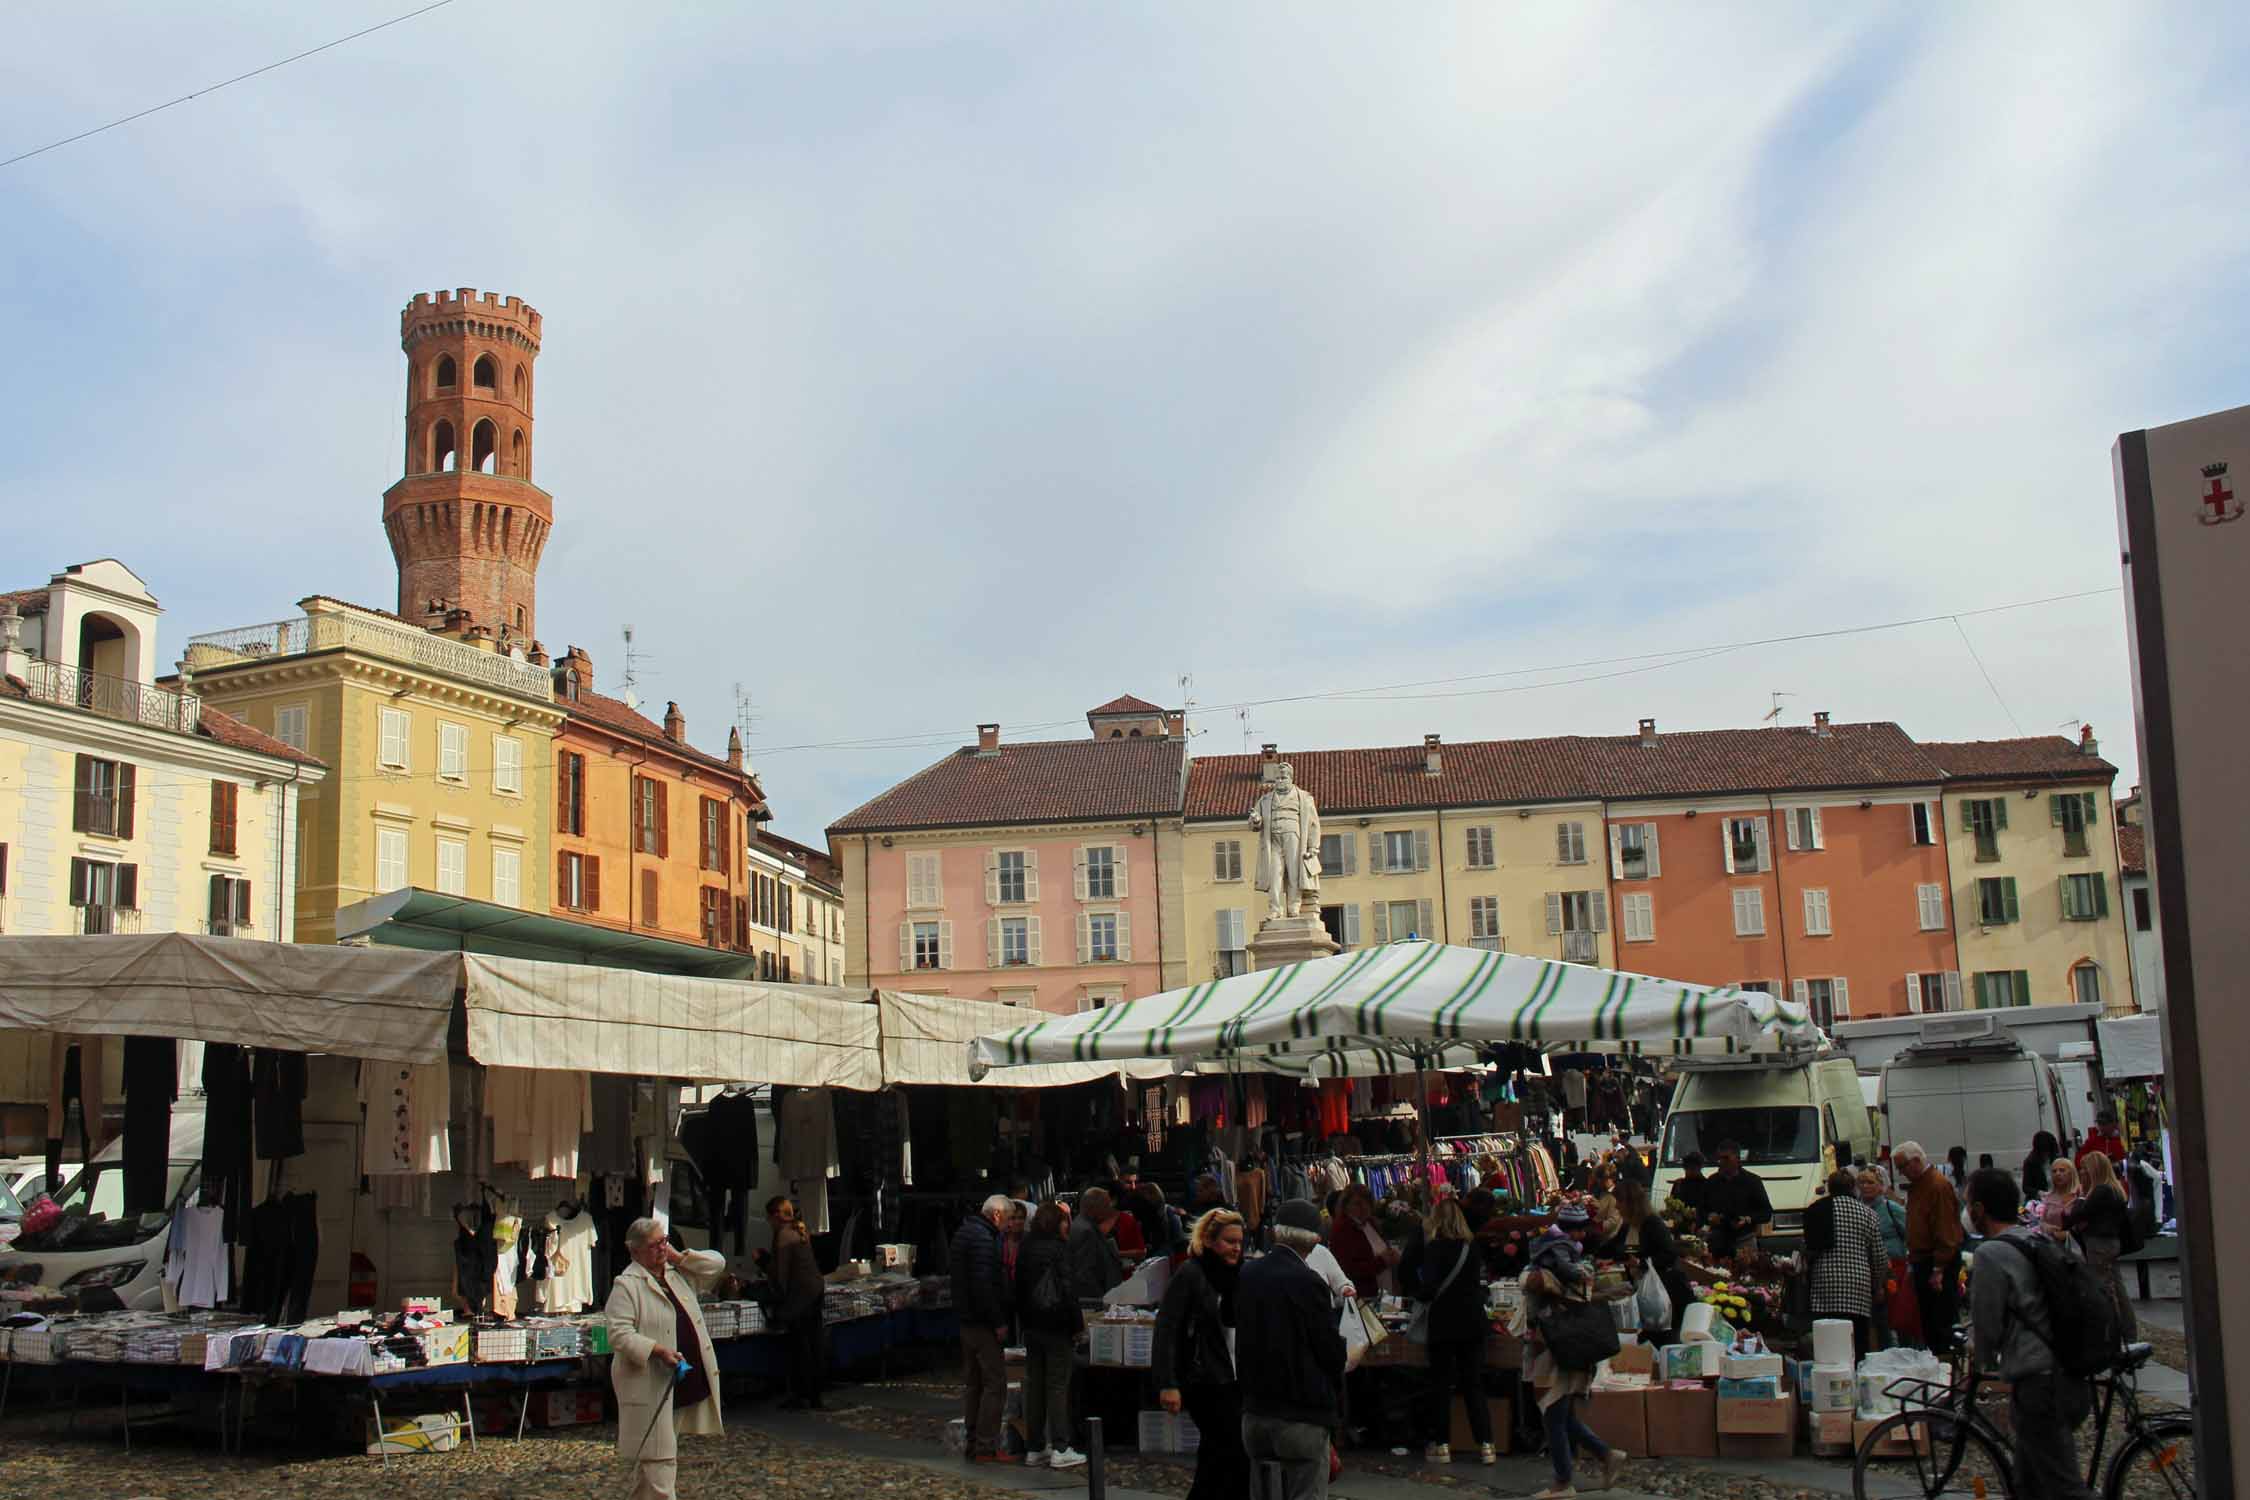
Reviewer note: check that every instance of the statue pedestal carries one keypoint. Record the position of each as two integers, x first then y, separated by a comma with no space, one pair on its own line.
1289,940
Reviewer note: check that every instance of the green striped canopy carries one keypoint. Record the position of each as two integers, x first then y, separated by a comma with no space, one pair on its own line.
1416,1001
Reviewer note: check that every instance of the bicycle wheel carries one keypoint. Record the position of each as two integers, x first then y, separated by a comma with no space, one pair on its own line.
1922,1455
2157,1463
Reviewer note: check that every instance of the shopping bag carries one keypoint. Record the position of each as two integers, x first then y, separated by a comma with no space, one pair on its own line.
1369,1323
1653,1303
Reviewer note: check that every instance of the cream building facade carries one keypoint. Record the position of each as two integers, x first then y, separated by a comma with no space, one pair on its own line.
797,912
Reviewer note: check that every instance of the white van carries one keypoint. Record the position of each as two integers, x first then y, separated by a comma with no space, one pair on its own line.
1794,1118
96,1246
1970,1083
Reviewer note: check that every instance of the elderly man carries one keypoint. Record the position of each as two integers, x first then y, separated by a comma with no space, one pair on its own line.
1290,1355
983,1300
1933,1246
654,1329
1090,1258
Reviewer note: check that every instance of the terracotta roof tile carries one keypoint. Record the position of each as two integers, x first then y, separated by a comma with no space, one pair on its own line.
1051,781
229,730
1125,705
1715,762
818,866
2132,849
2044,756
1476,773
24,602
612,713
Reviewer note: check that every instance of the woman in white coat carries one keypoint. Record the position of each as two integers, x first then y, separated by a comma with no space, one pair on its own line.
653,1322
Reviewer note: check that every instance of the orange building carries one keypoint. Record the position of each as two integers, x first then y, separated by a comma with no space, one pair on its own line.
650,833
1809,862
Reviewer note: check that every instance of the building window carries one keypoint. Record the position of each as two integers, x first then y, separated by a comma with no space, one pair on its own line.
570,792
1013,882
1996,901
1480,847
1226,860
1635,844
1570,843
1933,994
290,726
1638,914
1015,941
650,833
101,890
712,915
2073,813
1929,902
1985,818
1577,916
390,745
1816,914
578,882
1100,999
1749,912
787,897
1925,822
929,951
452,752
713,852
2085,898
2000,989
922,880
1745,845
1101,937
1339,854
1234,942
2086,984
507,877
1484,922
1398,852
1342,923
102,798
390,859
1101,874
2144,918
228,913
507,764
224,796
1824,1000
1804,828
453,867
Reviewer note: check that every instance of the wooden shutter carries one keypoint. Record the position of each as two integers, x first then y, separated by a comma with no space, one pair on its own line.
991,878
1952,989
82,800
1085,932
945,945
1124,937
992,942
1421,849
1789,827
1117,862
2022,986
663,822
648,898
562,879
219,908
1913,993
906,947
564,822
1599,902
1726,843
128,897
1351,924
1226,930
1425,920
1801,992
1763,836
2101,895
1616,851
590,881
1999,806
1375,865
124,799
1031,875
741,922
242,903
223,817
1554,912
1840,1003
2009,910
1031,941
1382,913
1078,884
1562,843
1351,854
81,876
1648,836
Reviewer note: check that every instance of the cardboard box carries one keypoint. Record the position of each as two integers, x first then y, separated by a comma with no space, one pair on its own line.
1683,1422
1762,1446
1633,1359
1830,1433
1619,1418
1503,1423
1750,1388
1751,1367
1904,1440
1757,1417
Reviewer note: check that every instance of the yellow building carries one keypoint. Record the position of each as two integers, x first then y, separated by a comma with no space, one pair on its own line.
2032,855
1492,845
439,745
804,927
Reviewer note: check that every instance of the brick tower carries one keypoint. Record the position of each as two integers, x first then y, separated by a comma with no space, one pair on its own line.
466,523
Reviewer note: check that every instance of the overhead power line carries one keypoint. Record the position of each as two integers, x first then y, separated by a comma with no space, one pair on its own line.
142,114
1647,661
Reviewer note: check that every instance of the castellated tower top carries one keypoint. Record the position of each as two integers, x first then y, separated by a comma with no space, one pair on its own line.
465,523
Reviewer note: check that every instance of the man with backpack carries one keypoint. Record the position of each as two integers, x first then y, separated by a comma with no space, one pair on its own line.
2045,1323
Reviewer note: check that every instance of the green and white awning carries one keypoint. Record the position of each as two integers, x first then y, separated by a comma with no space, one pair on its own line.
1414,1001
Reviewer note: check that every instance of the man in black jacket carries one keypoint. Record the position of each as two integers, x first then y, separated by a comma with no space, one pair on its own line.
982,1300
1290,1355
1091,1260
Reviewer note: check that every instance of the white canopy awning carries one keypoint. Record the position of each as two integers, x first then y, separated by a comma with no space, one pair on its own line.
2132,1046
926,1037
527,1013
1415,999
353,1002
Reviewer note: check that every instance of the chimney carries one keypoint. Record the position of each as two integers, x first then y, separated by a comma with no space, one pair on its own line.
734,747
1648,734
2087,744
1820,725
988,739
1175,723
675,724
1269,763
1433,755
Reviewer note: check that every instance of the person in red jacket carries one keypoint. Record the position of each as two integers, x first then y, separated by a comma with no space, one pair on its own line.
1357,1244
2104,1140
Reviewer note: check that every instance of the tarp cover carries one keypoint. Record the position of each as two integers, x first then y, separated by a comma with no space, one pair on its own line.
525,1013
351,1002
2132,1047
926,1037
1413,997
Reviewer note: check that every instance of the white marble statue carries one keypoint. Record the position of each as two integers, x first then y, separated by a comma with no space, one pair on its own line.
1288,822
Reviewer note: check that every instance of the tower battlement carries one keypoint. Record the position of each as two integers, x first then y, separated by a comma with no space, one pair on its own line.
465,309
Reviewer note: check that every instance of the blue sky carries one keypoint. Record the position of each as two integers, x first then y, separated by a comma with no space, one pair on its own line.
918,365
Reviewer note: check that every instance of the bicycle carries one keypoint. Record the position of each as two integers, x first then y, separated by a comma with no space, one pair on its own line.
1951,1448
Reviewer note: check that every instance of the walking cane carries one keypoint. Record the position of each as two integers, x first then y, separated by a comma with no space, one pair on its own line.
679,1373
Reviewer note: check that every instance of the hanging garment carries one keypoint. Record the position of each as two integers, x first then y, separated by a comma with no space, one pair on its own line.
409,1109
151,1082
805,1124
195,1258
569,1286
277,1090
608,1146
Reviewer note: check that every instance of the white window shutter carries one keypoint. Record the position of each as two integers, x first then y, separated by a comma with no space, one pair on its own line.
1726,842
945,945
1031,875
1800,992
1789,826
1817,841
1031,941
992,942
1421,849
1655,865
1351,854
1375,853
1085,937
1599,901
1382,910
1078,883
1425,920
1616,852
1351,924
906,947
991,878
1117,863
1842,990
1764,837
1124,937
1913,993
1226,930
1554,912
1952,989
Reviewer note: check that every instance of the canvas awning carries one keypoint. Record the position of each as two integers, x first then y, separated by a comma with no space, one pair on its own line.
526,1013
353,1002
926,1037
1413,998
2131,1046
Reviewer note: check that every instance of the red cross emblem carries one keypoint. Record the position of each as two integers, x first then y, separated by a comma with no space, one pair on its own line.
2217,502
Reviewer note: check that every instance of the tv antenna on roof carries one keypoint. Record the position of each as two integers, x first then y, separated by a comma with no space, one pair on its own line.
632,691
1774,713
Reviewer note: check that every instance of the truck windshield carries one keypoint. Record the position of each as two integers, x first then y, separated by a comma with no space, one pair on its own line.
1768,1135
94,1210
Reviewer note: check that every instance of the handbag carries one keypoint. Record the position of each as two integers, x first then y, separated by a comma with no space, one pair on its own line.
1579,1335
1418,1326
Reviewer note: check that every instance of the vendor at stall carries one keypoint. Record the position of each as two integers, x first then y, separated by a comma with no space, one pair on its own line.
655,1327
1735,1204
1358,1245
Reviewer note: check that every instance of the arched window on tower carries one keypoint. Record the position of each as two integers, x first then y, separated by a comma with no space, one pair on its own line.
443,455
517,466
484,439
487,374
523,385
447,374
519,619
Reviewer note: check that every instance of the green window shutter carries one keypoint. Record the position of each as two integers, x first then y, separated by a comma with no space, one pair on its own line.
2101,895
2023,987
1999,812
2069,906
2054,808
2008,899
1982,1001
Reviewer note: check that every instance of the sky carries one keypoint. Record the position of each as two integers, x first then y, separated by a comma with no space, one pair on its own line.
1472,368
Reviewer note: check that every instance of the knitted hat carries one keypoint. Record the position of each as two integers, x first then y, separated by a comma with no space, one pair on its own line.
1572,1215
1296,1213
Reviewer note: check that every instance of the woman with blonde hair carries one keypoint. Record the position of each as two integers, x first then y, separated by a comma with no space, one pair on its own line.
2060,1198
1450,1281
1193,1357
2100,1221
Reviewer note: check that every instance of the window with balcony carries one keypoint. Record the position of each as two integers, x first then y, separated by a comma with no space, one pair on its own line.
2073,813
1226,860
227,909
105,894
1933,994
1484,922
102,798
1986,818
1827,1000
1745,847
1576,916
1633,846
1996,901
578,882
394,726
2085,898
1481,847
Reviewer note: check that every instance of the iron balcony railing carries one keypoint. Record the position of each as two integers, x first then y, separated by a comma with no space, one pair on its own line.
391,640
114,697
96,921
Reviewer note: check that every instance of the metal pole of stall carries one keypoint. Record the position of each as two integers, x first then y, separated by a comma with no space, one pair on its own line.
1096,1452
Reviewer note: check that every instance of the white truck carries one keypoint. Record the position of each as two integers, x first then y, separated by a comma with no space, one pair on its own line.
1969,1081
1794,1118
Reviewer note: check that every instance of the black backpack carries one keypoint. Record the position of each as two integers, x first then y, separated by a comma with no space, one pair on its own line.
2087,1332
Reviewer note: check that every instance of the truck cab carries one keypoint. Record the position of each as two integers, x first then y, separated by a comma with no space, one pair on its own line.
1795,1118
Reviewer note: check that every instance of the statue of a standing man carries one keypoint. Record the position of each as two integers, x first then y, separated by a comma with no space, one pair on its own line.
1289,849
